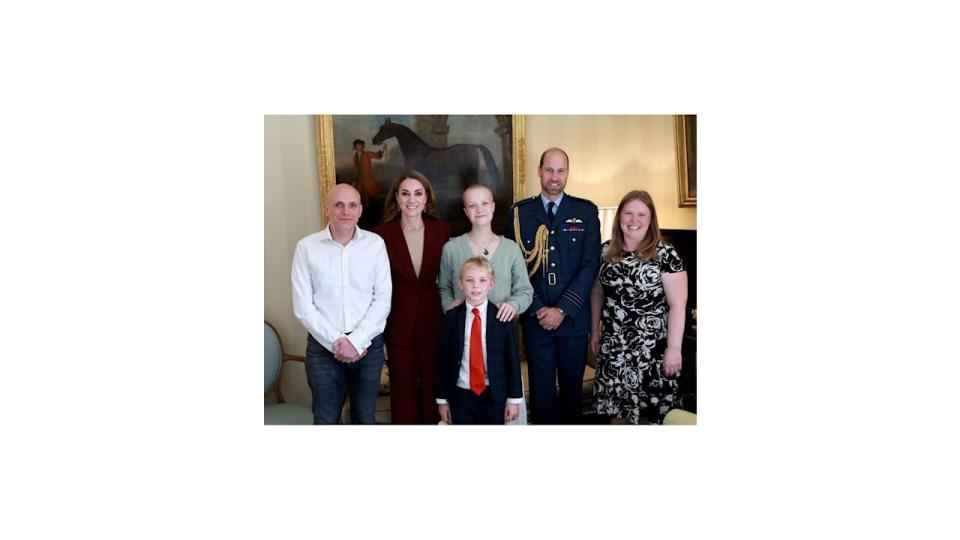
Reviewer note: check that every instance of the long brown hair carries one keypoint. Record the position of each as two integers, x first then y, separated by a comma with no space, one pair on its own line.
390,210
647,250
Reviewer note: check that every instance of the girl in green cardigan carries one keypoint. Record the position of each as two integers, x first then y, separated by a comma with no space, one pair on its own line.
513,293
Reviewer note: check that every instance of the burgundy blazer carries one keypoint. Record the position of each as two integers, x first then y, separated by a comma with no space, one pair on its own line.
415,311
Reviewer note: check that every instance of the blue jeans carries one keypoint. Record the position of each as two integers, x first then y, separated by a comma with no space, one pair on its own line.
330,380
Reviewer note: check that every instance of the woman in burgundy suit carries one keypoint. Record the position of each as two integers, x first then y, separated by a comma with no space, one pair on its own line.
414,238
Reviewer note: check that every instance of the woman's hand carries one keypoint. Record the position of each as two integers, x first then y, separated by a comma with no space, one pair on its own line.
671,362
595,342
455,303
505,312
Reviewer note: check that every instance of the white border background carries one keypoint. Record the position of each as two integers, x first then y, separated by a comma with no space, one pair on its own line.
132,213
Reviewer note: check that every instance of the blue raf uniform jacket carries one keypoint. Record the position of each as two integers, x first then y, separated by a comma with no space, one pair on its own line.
566,274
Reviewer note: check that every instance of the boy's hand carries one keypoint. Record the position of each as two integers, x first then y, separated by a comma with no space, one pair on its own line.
511,412
444,412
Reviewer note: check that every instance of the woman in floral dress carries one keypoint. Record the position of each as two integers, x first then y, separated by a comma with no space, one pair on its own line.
638,303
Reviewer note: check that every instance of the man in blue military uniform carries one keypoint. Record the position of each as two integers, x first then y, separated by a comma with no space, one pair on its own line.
559,235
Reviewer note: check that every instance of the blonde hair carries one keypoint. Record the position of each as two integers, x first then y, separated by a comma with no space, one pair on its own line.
477,263
473,187
647,250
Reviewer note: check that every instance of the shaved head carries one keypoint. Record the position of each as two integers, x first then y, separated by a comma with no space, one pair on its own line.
475,187
341,191
343,209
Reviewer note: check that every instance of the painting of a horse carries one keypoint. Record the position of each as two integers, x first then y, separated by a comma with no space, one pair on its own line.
468,163
452,151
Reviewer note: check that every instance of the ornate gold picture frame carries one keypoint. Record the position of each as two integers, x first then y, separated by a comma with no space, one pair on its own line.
685,134
488,149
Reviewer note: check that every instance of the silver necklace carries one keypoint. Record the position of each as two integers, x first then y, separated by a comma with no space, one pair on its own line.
486,252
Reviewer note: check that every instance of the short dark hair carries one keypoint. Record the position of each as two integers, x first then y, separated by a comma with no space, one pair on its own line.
551,149
359,141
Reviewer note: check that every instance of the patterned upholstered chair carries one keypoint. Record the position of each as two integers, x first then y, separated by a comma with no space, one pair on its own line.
280,413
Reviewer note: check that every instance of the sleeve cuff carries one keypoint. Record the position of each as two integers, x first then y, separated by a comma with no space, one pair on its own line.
324,342
571,302
357,344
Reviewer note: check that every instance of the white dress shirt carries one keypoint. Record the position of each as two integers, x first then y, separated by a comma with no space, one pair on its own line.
340,290
463,380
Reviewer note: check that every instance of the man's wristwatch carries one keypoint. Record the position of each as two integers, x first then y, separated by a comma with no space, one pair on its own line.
561,312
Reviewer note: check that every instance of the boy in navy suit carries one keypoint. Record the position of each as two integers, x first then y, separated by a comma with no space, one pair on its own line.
478,369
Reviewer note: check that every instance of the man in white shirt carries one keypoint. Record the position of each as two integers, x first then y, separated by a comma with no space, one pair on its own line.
341,295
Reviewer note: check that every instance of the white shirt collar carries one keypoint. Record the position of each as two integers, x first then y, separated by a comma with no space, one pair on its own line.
357,235
482,306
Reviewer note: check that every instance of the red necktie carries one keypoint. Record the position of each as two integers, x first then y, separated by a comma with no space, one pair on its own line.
476,355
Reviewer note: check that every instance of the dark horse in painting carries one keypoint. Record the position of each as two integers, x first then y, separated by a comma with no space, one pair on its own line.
463,161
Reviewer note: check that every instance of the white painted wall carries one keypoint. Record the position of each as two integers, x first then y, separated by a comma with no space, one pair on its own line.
611,155
292,210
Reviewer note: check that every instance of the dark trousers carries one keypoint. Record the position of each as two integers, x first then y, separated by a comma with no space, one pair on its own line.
413,383
554,361
469,408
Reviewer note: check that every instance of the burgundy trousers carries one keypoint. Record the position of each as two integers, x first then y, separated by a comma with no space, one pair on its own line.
413,383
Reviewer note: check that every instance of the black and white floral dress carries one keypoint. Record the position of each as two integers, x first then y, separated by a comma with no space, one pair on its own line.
629,381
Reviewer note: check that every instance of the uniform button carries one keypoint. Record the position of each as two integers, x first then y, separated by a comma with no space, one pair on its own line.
552,248
574,239
551,232
553,264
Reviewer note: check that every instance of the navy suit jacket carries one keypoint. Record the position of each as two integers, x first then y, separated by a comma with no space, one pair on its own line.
503,359
574,249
